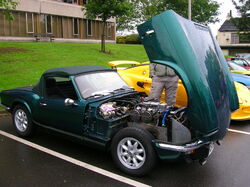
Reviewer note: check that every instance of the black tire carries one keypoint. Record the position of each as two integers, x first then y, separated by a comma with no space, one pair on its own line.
22,121
144,152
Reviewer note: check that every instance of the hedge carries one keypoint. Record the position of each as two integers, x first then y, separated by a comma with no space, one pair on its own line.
129,39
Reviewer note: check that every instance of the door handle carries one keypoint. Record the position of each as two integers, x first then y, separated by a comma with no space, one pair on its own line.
43,104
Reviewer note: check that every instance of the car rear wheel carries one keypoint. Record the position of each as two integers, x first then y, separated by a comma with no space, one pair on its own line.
22,121
132,151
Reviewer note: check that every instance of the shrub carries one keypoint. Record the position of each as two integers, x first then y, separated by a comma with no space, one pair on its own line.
120,39
133,39
129,39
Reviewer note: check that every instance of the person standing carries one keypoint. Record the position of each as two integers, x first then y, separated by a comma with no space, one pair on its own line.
163,77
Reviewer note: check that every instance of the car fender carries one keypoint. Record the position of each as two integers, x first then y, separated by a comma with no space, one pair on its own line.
23,102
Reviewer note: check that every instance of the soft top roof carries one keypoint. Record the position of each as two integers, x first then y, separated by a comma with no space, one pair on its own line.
73,70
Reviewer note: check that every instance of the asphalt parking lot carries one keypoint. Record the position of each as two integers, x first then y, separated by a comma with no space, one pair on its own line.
50,160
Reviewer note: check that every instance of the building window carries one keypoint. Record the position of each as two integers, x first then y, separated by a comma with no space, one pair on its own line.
71,1
89,27
75,26
48,24
234,38
29,22
109,29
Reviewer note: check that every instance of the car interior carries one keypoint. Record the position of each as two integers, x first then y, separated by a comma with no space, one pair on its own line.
60,88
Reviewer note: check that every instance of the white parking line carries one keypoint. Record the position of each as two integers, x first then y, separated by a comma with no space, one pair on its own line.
237,131
75,161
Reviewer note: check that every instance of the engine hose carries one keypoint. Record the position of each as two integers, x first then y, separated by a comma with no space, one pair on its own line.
164,117
126,101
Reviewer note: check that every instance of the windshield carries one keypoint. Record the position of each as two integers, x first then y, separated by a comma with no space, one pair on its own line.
247,57
236,67
99,84
241,62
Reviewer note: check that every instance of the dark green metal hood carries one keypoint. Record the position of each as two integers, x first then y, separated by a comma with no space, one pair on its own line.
190,49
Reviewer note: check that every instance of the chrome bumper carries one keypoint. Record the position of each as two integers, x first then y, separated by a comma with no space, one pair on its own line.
182,148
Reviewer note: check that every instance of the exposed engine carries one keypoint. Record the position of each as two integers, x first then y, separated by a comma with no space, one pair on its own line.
156,113
111,110
148,112
164,122
118,107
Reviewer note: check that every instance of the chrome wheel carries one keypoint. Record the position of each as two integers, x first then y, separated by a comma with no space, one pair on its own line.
131,153
21,120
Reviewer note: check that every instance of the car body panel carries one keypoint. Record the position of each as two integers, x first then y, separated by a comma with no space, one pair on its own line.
241,72
62,117
243,113
190,49
116,63
243,79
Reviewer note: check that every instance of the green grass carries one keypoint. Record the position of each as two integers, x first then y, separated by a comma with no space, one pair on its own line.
24,66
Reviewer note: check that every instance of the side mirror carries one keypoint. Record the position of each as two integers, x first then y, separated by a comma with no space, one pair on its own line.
140,84
69,102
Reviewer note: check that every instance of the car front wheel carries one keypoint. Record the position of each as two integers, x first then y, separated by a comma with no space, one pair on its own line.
22,121
132,151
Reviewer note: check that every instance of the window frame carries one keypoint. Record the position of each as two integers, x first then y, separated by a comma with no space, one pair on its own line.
71,1
109,30
57,80
234,38
27,25
89,21
46,23
73,25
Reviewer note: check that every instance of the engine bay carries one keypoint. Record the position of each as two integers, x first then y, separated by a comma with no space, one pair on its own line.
163,122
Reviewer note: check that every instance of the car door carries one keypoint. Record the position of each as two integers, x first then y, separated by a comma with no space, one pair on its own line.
52,109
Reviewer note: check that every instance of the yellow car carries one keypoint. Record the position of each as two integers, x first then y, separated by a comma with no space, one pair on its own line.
234,68
138,78
126,63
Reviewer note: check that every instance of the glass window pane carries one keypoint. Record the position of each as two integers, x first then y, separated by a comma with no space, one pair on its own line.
49,23
89,25
234,38
99,84
109,29
29,22
75,26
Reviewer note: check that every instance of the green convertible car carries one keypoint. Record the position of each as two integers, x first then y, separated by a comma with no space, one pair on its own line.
94,105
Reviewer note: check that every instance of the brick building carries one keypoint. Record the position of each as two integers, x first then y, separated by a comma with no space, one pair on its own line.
63,19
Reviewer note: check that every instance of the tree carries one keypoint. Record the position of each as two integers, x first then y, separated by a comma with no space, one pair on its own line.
242,23
203,11
104,10
7,6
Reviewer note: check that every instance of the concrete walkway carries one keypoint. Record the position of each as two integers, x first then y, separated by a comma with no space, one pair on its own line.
61,40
